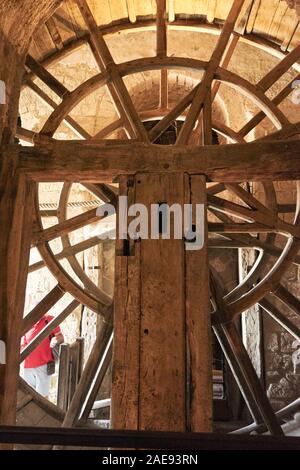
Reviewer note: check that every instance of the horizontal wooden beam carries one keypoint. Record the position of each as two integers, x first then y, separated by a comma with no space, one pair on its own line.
143,440
103,161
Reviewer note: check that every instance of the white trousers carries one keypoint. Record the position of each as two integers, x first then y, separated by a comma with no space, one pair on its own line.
38,379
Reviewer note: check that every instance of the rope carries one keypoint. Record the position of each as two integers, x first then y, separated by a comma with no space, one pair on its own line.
54,206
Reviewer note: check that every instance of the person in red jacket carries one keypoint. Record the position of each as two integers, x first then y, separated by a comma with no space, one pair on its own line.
35,366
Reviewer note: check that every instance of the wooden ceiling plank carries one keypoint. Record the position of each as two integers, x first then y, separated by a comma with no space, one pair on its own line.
211,9
252,16
244,16
131,10
171,11
279,14
55,34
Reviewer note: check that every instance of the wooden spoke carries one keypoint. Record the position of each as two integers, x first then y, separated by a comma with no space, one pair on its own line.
48,329
88,375
164,90
42,308
46,77
89,285
288,299
161,50
207,120
214,63
241,365
65,227
279,70
121,96
248,371
262,217
248,198
280,318
100,374
98,305
68,120
67,252
284,93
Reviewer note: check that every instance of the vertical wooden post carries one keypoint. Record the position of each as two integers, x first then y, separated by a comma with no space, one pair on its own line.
63,377
161,306
198,321
16,215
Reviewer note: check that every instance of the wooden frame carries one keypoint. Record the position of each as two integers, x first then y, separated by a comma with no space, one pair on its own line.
51,161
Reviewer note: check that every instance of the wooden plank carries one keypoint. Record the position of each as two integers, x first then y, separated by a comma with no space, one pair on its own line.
198,321
126,356
86,162
162,349
63,377
16,217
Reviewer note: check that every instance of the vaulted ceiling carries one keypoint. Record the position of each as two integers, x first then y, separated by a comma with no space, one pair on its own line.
271,20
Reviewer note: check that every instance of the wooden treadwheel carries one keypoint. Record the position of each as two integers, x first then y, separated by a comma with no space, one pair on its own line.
245,222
